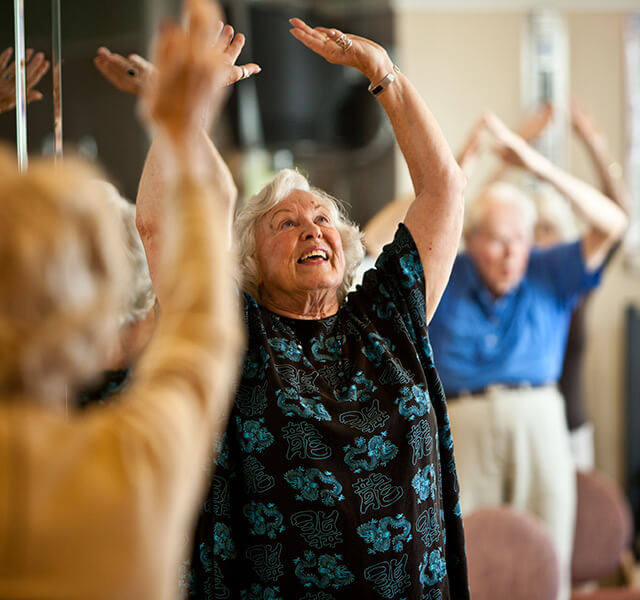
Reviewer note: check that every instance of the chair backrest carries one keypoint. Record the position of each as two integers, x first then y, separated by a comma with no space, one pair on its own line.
604,528
510,556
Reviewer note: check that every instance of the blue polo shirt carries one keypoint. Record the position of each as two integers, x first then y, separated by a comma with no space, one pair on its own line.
518,338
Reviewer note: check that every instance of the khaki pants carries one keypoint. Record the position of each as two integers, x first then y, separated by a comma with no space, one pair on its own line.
512,447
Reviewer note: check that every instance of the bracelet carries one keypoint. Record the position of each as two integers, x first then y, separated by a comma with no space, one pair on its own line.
386,81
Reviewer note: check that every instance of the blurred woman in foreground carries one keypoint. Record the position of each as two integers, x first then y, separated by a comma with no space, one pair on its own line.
97,505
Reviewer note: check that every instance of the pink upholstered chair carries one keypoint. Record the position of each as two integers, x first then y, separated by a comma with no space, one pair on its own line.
604,528
510,556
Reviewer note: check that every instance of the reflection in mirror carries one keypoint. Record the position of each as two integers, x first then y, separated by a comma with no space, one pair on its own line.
30,39
19,77
56,61
99,121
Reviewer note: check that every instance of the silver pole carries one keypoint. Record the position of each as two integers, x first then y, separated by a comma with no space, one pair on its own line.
21,97
56,62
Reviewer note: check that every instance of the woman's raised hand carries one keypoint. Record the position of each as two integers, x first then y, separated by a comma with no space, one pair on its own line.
134,74
340,48
513,150
229,47
190,76
36,67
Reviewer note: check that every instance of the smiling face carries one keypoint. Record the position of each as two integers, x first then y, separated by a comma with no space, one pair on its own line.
500,245
300,256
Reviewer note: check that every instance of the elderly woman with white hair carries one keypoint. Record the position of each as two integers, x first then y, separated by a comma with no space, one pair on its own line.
337,478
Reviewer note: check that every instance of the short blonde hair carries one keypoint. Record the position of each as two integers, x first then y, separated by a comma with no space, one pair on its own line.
503,192
64,273
285,182
140,296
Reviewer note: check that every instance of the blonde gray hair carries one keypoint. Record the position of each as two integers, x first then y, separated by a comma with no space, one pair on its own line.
502,192
285,182
64,273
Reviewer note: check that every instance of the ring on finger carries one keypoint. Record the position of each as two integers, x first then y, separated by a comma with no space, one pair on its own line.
344,41
245,72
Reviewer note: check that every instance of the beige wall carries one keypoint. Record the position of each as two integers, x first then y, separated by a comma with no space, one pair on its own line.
464,62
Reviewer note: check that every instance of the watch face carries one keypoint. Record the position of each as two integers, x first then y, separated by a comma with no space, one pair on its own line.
386,80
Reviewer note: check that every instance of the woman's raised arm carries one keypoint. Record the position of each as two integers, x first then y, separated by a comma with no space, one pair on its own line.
435,217
135,75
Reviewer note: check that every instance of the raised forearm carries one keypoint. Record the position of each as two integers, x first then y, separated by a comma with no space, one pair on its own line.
158,176
435,217
468,156
601,214
609,171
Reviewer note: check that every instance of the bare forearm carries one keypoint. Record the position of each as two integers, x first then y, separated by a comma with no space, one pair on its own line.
601,214
468,156
609,172
435,217
158,176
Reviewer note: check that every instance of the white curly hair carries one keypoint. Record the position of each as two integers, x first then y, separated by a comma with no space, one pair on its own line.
140,297
258,205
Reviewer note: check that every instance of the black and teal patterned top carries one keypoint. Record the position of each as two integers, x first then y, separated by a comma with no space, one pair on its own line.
336,477
106,390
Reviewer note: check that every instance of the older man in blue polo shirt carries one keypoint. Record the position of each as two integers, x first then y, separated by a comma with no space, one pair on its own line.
499,336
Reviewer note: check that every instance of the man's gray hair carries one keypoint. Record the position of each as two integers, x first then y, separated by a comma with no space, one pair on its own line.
502,192
285,182
140,296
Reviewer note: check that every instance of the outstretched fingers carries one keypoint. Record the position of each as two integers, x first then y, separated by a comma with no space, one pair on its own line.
36,68
239,72
235,47
117,70
300,25
309,40
5,57
33,96
224,39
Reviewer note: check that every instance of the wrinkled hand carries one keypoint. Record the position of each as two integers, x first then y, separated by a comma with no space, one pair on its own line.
36,67
513,150
366,56
134,74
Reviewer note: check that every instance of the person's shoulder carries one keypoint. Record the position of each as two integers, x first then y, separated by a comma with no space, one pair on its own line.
555,256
